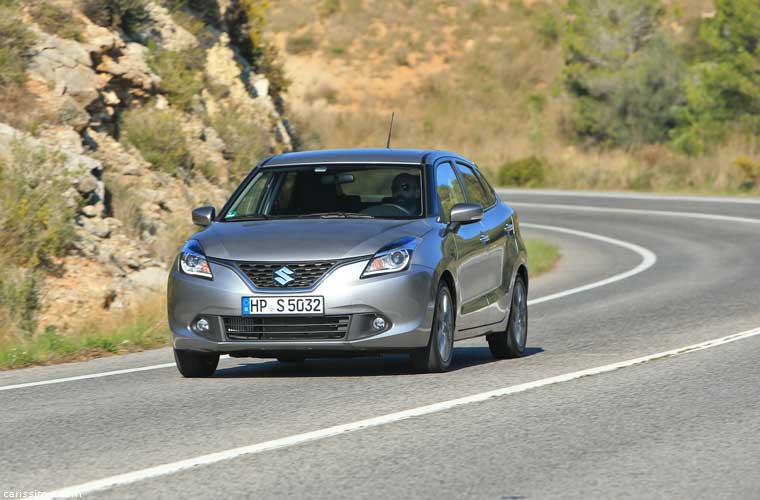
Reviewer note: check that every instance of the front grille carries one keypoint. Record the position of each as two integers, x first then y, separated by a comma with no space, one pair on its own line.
287,327
304,274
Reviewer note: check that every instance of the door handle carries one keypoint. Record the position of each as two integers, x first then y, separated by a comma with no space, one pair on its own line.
484,238
509,229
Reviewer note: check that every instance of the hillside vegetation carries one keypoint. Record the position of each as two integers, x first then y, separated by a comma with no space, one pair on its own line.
116,118
624,94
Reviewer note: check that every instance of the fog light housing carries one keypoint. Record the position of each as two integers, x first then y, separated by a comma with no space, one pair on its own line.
202,325
378,324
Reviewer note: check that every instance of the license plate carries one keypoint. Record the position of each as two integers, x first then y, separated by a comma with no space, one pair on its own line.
289,305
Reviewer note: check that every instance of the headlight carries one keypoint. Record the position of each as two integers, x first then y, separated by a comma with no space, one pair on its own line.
392,258
192,261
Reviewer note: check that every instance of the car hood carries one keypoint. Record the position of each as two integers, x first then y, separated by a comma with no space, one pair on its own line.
305,239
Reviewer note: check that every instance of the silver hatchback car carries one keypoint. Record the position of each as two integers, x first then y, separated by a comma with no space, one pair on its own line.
351,252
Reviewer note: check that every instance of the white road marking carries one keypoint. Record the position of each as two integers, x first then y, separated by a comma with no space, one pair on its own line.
638,211
630,196
648,260
297,439
92,375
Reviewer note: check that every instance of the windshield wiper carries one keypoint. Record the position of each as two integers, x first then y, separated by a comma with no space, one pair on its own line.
250,217
336,215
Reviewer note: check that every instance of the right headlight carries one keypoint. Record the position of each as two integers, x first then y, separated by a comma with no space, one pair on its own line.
193,261
392,258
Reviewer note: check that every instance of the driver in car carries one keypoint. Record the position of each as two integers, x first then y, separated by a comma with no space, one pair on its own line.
406,192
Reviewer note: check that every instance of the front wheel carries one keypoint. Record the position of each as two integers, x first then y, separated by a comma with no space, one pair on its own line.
192,364
511,342
437,356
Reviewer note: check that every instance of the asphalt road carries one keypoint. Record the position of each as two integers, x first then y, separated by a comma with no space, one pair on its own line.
682,426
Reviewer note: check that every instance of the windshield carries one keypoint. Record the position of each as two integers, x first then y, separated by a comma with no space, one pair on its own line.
331,191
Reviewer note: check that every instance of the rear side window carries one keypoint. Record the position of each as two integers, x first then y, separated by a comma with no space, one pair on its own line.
475,191
490,193
449,190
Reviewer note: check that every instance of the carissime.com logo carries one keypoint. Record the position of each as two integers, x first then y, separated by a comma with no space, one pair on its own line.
28,494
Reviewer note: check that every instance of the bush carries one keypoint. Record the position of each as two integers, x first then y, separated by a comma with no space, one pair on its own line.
181,74
270,64
15,39
546,26
158,136
125,14
36,219
19,299
526,172
301,44
751,170
246,140
56,20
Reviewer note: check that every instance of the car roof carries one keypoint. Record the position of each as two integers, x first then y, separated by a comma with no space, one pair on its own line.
406,156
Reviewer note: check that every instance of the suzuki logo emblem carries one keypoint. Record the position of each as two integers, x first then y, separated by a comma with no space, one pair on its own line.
283,276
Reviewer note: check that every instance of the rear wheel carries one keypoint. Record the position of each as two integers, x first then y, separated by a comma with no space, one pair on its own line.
437,356
192,364
511,342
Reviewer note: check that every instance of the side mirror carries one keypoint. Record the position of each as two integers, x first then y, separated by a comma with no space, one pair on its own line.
203,216
464,213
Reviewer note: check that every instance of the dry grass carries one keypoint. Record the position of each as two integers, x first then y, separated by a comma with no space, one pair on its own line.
139,328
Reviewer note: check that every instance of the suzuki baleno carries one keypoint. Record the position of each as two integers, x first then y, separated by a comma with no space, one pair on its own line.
351,252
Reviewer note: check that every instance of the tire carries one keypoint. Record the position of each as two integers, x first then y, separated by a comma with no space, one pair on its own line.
194,364
510,343
291,358
437,356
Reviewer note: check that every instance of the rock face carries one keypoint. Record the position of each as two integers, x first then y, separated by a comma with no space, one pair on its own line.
130,216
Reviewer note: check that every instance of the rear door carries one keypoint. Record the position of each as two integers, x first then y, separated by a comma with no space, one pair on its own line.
469,265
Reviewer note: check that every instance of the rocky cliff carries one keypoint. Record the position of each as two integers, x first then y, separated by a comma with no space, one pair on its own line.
135,126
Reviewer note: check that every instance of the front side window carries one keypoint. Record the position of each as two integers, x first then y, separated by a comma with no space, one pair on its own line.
475,191
449,190
381,191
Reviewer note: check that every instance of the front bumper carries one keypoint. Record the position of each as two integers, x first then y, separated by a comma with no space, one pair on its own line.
404,299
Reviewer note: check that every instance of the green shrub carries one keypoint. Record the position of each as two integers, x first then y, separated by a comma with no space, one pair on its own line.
19,299
751,170
56,20
126,14
301,44
329,7
527,172
624,76
36,219
546,26
158,136
15,39
270,64
246,139
723,88
181,74
174,5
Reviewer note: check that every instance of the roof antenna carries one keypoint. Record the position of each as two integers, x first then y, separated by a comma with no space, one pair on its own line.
390,131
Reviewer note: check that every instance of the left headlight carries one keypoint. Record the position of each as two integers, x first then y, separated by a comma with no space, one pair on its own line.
392,258
193,261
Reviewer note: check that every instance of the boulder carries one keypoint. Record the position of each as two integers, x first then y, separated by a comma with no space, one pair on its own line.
65,65
161,29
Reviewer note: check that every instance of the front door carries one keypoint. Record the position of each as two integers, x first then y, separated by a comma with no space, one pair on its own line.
471,266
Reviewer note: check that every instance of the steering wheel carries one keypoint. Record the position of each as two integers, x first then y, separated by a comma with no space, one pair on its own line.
398,207
382,210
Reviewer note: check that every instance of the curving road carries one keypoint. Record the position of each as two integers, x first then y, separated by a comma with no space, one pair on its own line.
608,404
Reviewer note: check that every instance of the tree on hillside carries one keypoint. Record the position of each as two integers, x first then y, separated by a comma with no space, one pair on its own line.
622,73
723,86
